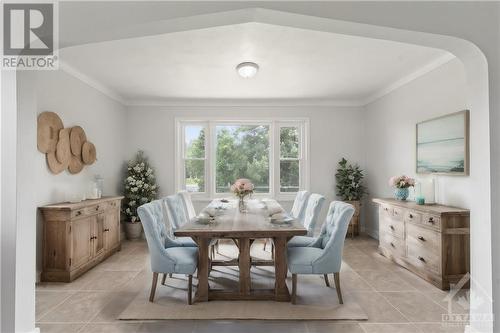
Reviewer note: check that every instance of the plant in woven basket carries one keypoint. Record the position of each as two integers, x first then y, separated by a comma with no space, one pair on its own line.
349,180
139,186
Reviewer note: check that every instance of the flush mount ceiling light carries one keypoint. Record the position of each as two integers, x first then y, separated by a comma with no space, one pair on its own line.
247,69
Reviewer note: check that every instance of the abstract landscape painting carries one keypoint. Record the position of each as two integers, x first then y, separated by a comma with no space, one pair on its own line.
442,144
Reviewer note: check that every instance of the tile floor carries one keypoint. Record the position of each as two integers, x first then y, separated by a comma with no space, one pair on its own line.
394,299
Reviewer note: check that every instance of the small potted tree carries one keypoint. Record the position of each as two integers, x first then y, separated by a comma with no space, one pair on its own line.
139,188
350,189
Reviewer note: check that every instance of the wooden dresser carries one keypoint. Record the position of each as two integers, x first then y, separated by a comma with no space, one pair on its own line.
430,240
77,236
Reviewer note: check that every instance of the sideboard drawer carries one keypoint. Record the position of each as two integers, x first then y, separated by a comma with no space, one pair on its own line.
398,213
413,217
393,227
385,211
428,240
422,259
394,245
432,221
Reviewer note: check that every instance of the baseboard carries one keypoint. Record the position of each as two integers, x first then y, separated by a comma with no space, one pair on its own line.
372,233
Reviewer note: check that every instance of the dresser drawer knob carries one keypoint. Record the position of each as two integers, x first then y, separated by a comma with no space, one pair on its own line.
97,208
78,213
392,227
392,244
431,220
411,216
421,259
421,238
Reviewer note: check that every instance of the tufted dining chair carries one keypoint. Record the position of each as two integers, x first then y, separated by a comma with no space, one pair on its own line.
324,255
178,215
311,215
297,212
188,204
166,255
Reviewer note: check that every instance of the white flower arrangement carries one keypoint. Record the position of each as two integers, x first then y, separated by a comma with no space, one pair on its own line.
139,186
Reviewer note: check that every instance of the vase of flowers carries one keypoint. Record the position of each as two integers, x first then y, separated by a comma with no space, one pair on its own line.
401,185
139,188
242,188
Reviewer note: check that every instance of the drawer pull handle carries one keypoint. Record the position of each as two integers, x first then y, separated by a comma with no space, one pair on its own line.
386,209
97,208
421,238
392,244
431,220
105,230
411,216
78,213
421,259
392,227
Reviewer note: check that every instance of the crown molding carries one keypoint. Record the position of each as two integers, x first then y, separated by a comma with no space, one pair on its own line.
438,62
67,68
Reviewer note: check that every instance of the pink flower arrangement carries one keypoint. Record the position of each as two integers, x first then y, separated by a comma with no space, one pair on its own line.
242,187
401,181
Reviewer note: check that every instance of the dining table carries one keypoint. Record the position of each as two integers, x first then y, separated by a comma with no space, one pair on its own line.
260,219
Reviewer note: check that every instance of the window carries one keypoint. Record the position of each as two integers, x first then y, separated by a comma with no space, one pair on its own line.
194,158
217,152
242,151
289,159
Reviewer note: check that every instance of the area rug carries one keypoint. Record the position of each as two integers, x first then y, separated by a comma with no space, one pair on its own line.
315,301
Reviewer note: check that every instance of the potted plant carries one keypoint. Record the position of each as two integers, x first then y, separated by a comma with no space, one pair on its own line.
350,189
139,188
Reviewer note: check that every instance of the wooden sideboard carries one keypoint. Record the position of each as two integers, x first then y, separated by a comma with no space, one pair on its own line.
432,241
78,236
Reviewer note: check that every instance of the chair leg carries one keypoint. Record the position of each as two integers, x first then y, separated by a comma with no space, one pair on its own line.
170,275
190,289
153,287
272,250
336,277
217,247
265,243
326,280
294,288
164,278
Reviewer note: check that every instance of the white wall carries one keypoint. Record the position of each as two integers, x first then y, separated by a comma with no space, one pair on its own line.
389,135
334,133
76,103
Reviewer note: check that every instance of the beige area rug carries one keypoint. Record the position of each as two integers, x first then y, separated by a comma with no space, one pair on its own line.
315,301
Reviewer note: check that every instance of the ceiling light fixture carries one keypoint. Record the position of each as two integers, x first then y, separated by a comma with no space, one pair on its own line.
247,69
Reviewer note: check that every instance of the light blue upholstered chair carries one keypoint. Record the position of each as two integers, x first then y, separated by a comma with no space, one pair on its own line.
324,256
299,204
166,256
178,215
311,215
297,212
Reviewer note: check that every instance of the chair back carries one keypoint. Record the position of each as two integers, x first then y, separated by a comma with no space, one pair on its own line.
332,236
153,221
176,210
299,205
312,211
188,203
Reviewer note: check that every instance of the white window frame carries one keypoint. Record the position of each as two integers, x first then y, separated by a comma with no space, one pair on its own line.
275,125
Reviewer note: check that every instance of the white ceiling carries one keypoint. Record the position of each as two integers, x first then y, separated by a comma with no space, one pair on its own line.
294,64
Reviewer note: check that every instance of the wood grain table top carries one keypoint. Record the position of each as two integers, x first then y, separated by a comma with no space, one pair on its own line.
230,223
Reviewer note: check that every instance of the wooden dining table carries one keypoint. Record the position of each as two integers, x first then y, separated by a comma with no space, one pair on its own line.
229,223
